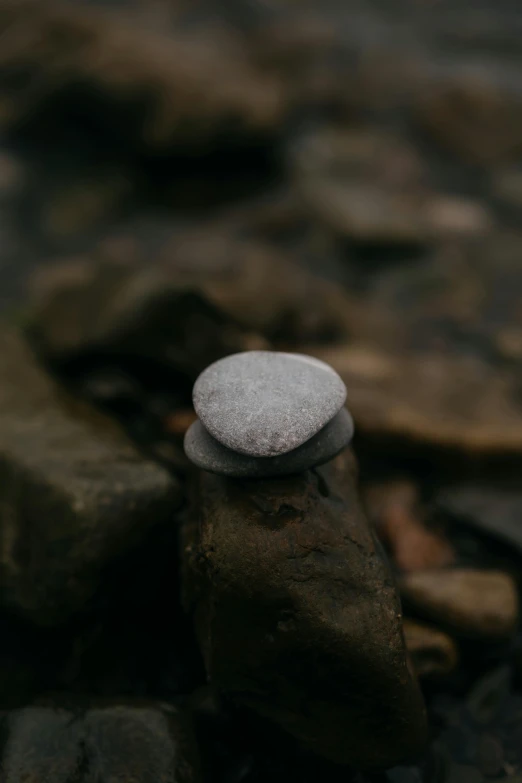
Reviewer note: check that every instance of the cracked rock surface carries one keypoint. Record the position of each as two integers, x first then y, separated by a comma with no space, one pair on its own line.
297,614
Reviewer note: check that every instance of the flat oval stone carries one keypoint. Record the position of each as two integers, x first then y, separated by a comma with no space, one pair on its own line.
266,403
209,454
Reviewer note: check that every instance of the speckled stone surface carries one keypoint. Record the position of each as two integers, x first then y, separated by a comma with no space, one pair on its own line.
207,453
265,403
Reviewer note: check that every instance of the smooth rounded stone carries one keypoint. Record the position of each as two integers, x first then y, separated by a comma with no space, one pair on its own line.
397,510
297,615
432,652
265,403
472,602
207,453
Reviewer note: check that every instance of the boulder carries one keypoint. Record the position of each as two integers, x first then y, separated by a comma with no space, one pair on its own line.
297,615
74,493
68,740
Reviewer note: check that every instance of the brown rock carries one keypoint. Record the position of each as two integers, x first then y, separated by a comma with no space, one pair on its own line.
74,493
472,602
475,115
130,311
395,508
261,288
11,175
184,298
460,404
174,86
297,615
432,652
295,46
80,206
58,742
507,186
369,188
462,300
495,509
178,422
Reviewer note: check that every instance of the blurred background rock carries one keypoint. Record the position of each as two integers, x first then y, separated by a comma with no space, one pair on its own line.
181,180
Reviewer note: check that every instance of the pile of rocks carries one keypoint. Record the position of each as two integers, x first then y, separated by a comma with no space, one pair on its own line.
265,413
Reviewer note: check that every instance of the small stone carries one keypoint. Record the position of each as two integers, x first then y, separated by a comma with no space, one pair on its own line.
297,615
264,403
73,740
208,453
432,652
396,509
472,602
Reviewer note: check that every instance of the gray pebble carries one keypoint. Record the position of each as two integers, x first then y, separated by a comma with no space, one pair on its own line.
207,453
265,403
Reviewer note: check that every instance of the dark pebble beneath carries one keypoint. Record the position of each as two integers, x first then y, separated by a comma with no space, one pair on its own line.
207,453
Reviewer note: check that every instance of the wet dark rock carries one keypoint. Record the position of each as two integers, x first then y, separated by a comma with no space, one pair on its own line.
432,652
490,756
471,602
79,207
207,453
460,301
171,86
19,677
371,188
240,747
474,114
480,734
507,186
181,297
264,288
459,404
397,511
297,615
305,49
495,509
463,773
404,775
267,403
63,740
11,175
75,493
135,314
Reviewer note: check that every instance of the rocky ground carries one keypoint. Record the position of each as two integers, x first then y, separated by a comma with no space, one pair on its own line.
180,181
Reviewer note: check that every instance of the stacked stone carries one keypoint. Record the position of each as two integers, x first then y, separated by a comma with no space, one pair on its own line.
264,414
